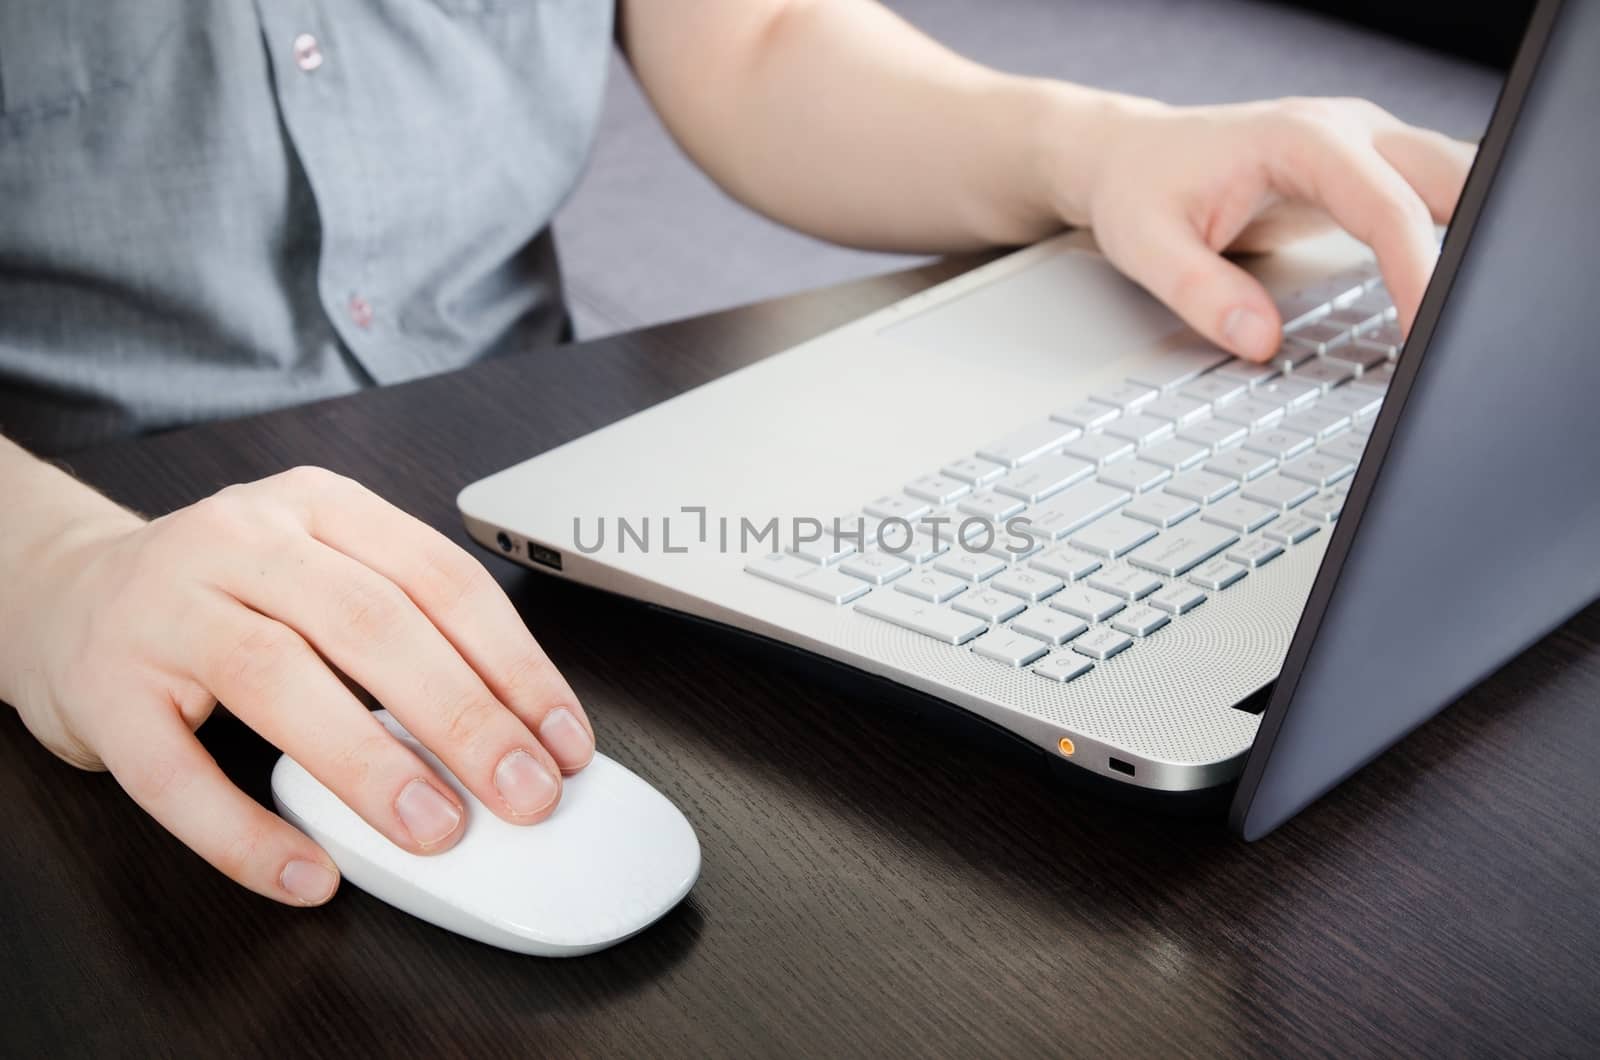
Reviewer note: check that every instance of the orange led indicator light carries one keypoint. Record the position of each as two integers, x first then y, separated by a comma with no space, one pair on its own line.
1067,746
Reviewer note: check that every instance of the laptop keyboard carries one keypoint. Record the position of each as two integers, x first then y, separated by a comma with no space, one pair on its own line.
1143,501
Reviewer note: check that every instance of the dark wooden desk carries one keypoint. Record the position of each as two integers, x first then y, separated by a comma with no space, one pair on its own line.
870,886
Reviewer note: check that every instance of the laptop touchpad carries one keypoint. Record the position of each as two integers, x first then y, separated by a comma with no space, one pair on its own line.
1072,311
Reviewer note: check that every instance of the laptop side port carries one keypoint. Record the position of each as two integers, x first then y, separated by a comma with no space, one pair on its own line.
547,557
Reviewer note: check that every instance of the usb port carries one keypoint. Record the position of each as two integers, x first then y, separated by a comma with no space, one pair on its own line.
548,557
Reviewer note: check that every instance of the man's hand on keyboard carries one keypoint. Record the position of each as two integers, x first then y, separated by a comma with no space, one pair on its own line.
272,596
1173,187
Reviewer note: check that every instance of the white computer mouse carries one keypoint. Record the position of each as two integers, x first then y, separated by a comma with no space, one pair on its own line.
612,859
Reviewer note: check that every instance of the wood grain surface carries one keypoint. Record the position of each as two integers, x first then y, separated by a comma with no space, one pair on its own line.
873,884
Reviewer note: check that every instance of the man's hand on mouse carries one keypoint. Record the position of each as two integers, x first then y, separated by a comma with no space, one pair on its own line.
1167,189
262,596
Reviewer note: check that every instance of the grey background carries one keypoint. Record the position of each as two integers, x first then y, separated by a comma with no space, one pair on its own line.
646,237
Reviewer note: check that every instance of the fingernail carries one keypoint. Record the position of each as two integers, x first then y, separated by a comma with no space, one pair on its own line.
427,815
524,782
309,882
566,739
1249,334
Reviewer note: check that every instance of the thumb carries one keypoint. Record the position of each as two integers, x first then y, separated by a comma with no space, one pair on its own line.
1213,295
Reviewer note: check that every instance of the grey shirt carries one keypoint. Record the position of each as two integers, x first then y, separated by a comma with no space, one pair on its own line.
214,207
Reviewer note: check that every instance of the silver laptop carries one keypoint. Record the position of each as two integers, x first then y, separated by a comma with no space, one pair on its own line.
1030,493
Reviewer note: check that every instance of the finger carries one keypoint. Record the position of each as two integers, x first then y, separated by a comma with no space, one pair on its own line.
463,602
272,679
1213,295
364,625
166,771
1369,199
1434,164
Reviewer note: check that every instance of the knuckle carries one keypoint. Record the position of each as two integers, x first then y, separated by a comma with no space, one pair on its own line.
448,578
251,665
369,609
151,781
311,482
527,678
464,715
353,764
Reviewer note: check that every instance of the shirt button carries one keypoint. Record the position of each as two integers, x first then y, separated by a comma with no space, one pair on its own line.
307,52
360,311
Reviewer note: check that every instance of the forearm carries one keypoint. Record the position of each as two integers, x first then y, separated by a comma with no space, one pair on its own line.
45,511
838,118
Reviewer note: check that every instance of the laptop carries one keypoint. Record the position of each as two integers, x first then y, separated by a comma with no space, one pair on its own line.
1030,494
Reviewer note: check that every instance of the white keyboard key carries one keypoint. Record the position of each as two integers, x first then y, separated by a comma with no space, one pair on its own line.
1049,625
931,586
1063,666
1302,308
1175,454
1140,621
825,551
1113,535
1201,486
1379,377
1349,446
1251,413
1291,392
995,507
938,489
941,623
1239,515
968,566
974,470
1256,552
1173,368
1176,409
1178,599
1277,491
1101,643
1294,352
1135,476
1066,563
1091,605
1326,508
1214,434
879,568
1074,508
1029,443
1139,428
1087,415
824,583
1043,477
1178,551
1215,389
1032,585
1317,422
1278,443
1100,449
920,548
897,506
1010,648
988,604
1363,354
1320,337
1125,396
1319,468
1356,400
1325,372
1291,531
1230,381
1217,575
1125,582
1161,509
1242,465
